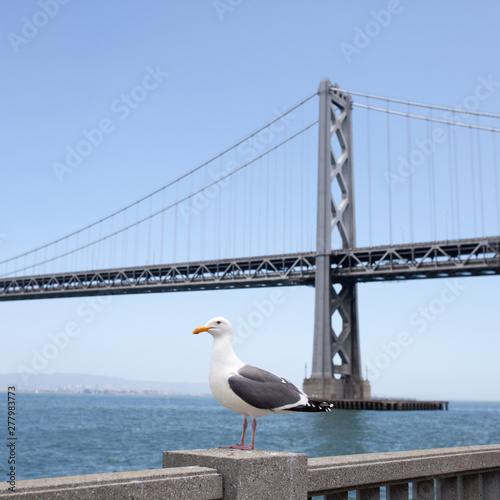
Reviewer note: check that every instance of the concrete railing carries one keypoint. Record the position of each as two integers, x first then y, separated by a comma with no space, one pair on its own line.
186,483
466,473
448,473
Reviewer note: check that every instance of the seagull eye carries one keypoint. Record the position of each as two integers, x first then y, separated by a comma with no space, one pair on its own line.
218,322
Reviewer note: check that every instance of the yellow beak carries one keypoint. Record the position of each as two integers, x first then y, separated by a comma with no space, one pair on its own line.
201,329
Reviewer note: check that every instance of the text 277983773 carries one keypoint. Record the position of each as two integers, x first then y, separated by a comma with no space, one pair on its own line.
11,439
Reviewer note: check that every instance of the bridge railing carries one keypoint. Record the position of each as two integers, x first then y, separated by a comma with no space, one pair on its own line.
465,473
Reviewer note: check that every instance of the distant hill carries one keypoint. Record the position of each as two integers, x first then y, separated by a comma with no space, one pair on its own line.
78,381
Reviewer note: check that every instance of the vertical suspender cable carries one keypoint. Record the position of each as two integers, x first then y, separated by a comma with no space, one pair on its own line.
150,254
302,183
233,200
473,178
369,173
453,182
266,182
388,132
188,223
410,179
231,216
480,179
223,219
234,205
257,186
275,190
495,170
203,208
251,194
137,237
77,253
432,186
223,227
112,245
66,252
174,249
219,231
162,231
244,184
102,248
308,179
290,197
124,240
216,228
285,192
105,242
89,259
457,188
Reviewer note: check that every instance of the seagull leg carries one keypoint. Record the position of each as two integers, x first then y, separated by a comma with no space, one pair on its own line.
245,425
252,441
241,444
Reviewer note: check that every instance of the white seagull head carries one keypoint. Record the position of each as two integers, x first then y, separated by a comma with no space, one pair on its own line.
217,327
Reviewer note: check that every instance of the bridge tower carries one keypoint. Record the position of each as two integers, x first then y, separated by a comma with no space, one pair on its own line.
330,379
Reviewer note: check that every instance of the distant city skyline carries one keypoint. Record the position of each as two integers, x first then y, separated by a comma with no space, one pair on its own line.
95,384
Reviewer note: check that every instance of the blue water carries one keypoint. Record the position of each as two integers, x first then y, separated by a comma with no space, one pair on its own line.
68,434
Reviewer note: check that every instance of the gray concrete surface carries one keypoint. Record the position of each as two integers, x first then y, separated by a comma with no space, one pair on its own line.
254,474
363,471
466,473
187,483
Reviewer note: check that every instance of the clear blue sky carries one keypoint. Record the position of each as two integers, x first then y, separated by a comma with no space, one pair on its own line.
221,69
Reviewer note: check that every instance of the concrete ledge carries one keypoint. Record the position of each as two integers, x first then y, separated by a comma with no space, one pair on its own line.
187,483
363,471
255,474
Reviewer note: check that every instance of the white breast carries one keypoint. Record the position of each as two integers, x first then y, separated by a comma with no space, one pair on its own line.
223,364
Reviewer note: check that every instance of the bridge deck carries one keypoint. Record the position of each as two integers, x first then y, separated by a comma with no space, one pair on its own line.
470,257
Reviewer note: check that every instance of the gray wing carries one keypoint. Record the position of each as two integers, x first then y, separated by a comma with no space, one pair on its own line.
261,389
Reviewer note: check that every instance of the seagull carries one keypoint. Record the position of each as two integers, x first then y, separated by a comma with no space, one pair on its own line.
247,390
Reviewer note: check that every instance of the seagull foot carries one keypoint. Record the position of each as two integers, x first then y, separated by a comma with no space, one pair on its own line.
238,447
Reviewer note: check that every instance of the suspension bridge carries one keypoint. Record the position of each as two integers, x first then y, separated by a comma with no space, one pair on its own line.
277,208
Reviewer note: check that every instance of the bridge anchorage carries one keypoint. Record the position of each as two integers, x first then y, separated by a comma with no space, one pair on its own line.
329,380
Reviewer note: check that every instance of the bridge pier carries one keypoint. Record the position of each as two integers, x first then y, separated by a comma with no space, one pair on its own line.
332,390
336,366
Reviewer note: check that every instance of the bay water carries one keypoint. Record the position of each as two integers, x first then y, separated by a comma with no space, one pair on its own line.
69,434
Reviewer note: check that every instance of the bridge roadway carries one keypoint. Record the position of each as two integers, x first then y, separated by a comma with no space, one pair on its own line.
470,257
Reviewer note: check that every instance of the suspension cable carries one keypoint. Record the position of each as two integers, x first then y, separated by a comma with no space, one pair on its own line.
422,105
183,176
174,204
420,117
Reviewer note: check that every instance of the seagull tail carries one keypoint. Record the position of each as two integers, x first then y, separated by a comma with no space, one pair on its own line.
313,406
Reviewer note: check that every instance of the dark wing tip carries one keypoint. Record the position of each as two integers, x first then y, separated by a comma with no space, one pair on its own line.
313,406
323,405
